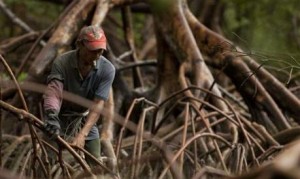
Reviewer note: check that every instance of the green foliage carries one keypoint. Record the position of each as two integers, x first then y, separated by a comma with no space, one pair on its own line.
138,21
138,26
264,29
265,25
160,6
22,76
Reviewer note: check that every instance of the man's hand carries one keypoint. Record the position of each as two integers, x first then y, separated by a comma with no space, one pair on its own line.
52,125
79,140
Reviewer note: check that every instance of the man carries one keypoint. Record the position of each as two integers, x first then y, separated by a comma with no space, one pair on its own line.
84,72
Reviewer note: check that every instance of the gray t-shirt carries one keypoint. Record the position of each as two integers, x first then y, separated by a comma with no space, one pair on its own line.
95,85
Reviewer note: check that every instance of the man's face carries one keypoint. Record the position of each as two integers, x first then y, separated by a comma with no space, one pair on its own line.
88,56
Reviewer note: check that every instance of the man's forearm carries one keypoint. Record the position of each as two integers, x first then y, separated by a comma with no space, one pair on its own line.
53,96
92,118
90,122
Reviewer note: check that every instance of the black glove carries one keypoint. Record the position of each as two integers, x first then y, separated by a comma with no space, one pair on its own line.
52,125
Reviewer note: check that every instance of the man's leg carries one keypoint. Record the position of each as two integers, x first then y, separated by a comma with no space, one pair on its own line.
93,147
52,156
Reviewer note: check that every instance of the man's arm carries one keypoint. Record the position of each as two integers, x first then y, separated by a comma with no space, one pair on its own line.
52,104
53,95
92,119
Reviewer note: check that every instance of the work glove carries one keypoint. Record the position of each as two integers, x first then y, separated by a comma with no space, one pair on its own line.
52,125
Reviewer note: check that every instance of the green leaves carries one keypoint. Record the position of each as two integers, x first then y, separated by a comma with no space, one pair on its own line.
265,25
159,6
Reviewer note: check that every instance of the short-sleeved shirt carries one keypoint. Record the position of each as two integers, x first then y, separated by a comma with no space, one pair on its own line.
95,85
